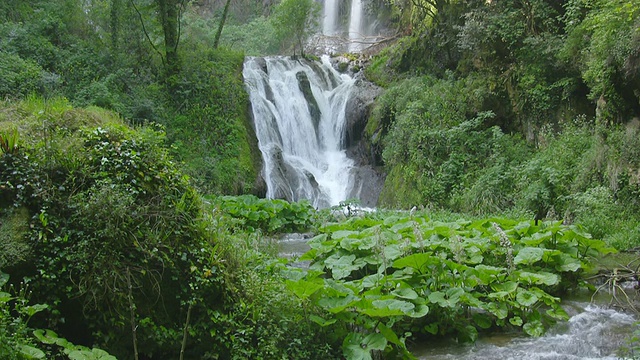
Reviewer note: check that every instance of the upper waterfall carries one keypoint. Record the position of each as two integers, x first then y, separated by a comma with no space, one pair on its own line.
346,27
299,114
329,23
356,33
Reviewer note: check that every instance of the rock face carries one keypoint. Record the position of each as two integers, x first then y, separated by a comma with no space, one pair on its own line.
358,109
369,176
312,104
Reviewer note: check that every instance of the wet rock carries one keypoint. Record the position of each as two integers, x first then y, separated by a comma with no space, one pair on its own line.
312,104
358,110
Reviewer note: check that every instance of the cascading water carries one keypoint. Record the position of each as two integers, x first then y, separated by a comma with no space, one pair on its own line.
298,110
592,332
355,26
339,33
330,17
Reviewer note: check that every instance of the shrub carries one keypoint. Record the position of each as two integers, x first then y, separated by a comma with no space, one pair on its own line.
18,77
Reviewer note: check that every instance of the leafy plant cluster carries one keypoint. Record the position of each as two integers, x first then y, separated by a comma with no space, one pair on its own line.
559,80
20,341
441,152
109,55
383,282
116,237
268,216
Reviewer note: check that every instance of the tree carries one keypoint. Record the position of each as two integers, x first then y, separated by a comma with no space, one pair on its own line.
295,21
605,46
168,13
216,40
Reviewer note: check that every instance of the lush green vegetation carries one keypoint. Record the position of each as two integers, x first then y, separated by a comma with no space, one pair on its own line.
382,281
119,251
525,108
122,56
116,116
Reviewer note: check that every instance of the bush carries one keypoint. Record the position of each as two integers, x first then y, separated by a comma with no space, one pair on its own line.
267,216
212,132
114,226
19,77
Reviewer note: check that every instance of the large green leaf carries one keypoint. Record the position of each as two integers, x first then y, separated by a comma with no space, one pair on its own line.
534,328
567,263
392,252
338,304
390,307
321,321
450,298
537,238
341,266
418,261
341,234
482,320
356,346
303,288
526,298
30,352
405,293
420,310
498,309
93,354
373,280
516,321
357,243
538,278
487,274
507,286
528,255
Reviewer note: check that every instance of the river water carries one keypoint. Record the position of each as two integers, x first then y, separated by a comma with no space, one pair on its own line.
592,332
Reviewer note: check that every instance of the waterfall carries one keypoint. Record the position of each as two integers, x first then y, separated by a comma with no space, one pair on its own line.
355,26
298,110
330,17
344,34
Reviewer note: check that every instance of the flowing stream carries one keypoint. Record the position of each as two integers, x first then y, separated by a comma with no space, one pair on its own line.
592,332
299,114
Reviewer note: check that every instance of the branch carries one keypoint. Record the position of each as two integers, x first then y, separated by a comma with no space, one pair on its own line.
132,311
144,29
186,331
180,11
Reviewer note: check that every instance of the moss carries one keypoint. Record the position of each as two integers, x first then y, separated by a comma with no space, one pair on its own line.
13,245
400,190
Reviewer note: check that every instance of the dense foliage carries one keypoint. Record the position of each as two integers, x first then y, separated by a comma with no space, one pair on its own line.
527,108
267,216
128,57
513,107
394,279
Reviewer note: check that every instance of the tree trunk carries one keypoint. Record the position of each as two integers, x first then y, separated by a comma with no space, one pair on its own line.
216,40
169,18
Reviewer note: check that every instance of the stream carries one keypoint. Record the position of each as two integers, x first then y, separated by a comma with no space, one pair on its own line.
594,330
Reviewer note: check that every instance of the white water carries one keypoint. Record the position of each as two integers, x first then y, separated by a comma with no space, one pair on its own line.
302,160
355,26
592,332
330,17
340,34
